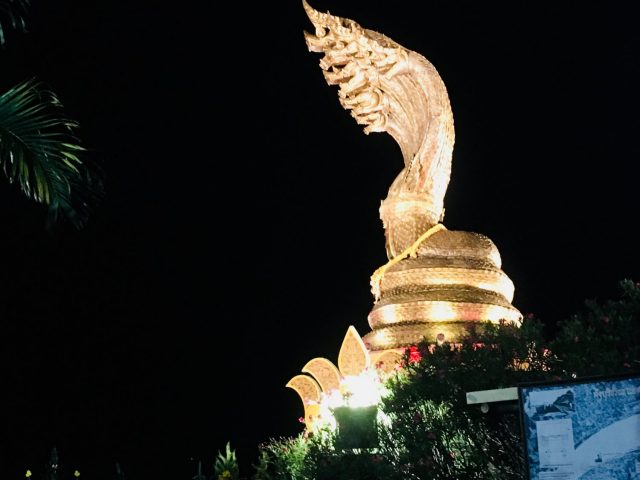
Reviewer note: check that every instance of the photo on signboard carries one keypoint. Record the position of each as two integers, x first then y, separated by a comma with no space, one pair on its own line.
583,429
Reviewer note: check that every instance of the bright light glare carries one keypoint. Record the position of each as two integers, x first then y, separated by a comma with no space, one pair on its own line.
361,390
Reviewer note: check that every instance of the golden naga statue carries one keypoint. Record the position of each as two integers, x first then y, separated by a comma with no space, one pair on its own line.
436,281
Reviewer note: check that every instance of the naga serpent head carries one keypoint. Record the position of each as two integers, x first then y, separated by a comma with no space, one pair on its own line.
388,88
355,59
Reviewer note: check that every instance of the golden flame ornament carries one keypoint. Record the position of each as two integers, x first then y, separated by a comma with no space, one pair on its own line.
325,373
325,379
309,391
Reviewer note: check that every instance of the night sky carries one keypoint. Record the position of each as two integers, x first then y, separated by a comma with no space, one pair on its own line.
240,222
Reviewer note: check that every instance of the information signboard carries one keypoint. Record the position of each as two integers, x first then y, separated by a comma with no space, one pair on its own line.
587,429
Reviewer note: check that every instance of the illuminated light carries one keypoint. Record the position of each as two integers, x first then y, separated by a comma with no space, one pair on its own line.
361,390
357,391
381,336
507,288
358,383
430,311
442,312
496,314
503,286
389,316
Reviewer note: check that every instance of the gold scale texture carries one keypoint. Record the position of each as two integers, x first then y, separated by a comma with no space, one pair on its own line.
453,278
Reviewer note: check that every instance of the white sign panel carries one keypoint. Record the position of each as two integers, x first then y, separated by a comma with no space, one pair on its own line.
582,430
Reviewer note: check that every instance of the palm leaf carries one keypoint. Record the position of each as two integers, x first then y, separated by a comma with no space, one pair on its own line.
14,11
39,152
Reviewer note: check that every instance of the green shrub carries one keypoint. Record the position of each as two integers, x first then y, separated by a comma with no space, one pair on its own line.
431,431
282,459
226,466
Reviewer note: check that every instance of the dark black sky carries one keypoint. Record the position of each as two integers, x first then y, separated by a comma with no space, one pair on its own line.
240,224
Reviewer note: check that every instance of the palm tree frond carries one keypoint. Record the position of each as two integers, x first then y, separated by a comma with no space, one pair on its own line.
13,11
40,153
